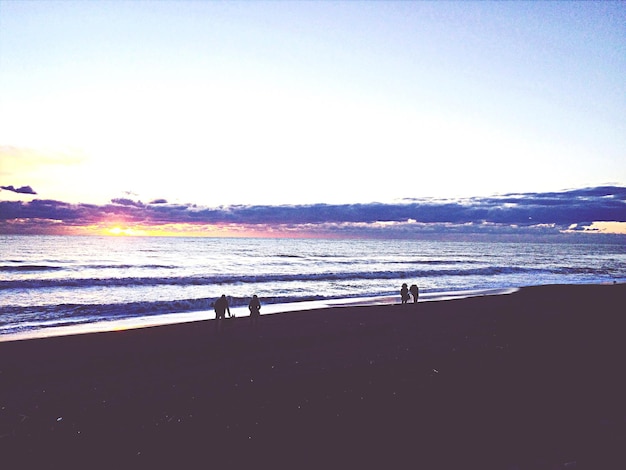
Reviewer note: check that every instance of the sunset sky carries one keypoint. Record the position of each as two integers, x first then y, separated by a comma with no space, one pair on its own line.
232,117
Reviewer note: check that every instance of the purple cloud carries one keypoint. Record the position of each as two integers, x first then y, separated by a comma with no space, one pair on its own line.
127,202
21,190
545,213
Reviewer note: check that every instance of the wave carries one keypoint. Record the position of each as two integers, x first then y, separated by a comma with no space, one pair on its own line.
299,277
437,262
29,267
116,310
38,267
128,266
16,318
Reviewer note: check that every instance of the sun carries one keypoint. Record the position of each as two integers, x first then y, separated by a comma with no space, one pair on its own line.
121,232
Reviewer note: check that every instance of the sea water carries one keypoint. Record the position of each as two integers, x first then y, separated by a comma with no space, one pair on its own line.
52,281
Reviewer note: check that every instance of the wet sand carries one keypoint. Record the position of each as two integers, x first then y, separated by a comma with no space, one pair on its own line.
533,379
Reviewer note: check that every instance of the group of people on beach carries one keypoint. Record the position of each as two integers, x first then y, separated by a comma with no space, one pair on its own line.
222,307
407,292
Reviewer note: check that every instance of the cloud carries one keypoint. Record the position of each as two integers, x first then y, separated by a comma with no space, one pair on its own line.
512,214
21,190
127,202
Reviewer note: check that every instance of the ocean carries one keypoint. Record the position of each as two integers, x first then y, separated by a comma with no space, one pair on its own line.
58,284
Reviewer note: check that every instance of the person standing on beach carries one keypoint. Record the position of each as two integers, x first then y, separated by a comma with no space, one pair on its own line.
415,292
404,293
255,310
221,307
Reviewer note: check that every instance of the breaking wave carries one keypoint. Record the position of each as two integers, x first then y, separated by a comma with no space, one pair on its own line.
259,279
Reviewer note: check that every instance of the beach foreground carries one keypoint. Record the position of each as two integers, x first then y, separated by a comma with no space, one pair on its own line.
533,379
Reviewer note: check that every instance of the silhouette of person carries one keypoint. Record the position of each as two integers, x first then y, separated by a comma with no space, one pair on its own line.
404,293
415,292
255,310
221,307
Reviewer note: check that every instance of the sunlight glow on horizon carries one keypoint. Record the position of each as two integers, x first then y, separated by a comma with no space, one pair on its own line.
194,230
618,228
322,230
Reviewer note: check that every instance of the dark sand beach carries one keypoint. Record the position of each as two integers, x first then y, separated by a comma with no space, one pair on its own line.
534,379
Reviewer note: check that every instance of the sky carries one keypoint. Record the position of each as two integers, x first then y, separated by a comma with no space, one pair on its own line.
125,110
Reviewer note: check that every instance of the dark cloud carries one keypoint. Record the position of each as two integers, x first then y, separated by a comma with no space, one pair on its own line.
22,190
528,213
127,202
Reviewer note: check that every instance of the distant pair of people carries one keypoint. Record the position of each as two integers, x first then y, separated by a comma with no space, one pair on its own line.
406,293
221,307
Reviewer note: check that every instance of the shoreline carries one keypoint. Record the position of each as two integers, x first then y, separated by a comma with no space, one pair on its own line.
267,309
533,379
